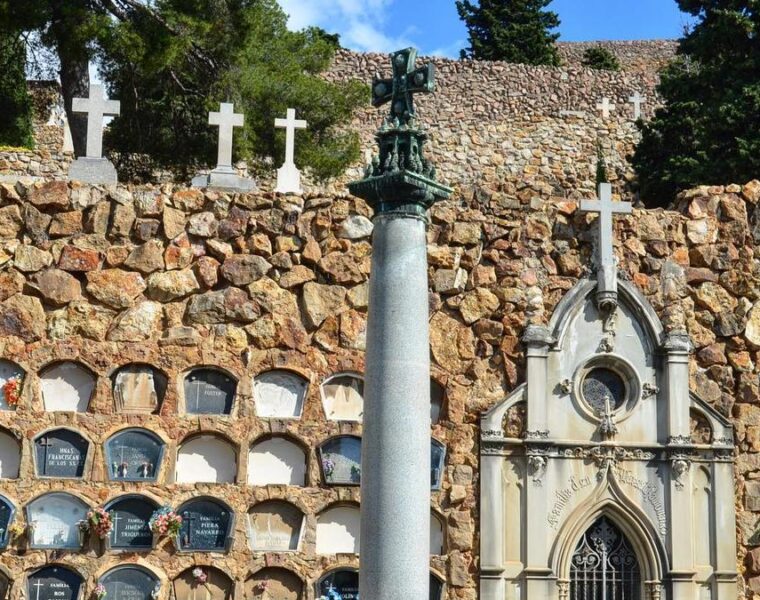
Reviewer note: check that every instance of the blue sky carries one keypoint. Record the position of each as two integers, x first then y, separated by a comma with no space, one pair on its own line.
434,27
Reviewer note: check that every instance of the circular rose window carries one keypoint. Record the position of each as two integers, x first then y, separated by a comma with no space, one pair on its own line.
601,383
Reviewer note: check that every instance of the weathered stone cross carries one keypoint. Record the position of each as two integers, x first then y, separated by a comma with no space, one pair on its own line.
288,176
637,100
406,82
606,292
96,107
605,106
227,120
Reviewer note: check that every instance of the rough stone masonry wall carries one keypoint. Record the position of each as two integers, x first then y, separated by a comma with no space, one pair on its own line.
176,278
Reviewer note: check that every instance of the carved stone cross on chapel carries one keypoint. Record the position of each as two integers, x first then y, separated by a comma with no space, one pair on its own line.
406,82
606,293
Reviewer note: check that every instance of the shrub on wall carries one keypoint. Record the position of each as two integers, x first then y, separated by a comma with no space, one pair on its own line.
601,59
15,103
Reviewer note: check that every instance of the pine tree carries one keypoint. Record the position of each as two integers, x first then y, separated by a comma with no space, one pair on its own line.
517,31
708,131
601,59
15,104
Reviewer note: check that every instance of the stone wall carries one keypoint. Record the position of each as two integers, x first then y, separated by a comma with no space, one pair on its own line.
177,278
634,55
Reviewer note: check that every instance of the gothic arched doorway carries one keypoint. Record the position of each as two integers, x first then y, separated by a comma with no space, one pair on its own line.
604,565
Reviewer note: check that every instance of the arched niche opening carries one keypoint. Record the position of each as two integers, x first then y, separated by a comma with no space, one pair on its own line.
54,521
10,455
129,583
701,430
341,583
279,394
206,458
209,391
130,516
437,535
60,453
338,530
343,397
274,583
203,582
12,378
341,460
7,513
67,386
138,388
134,455
437,459
54,582
436,588
437,400
275,526
206,525
276,460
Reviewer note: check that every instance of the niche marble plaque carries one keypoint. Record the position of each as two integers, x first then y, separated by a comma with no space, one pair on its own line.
205,526
54,521
338,530
276,461
217,586
54,583
343,398
130,517
209,392
138,389
5,585
60,453
436,588
134,455
10,455
7,512
279,394
437,395
343,585
206,459
275,527
437,456
129,583
341,460
66,386
273,583
10,371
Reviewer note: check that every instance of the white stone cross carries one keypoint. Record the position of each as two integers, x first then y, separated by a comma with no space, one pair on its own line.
607,265
227,120
605,106
288,176
637,100
116,518
96,107
38,585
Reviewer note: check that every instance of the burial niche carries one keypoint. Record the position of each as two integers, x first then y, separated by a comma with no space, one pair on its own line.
341,460
206,458
338,530
275,527
343,397
67,386
436,534
209,392
7,512
206,526
54,521
129,583
203,583
134,455
342,584
11,384
437,396
605,565
130,516
279,394
60,453
276,460
10,455
436,588
138,389
5,586
437,457
273,583
53,582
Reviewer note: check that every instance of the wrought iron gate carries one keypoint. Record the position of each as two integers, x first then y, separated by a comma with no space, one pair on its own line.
604,566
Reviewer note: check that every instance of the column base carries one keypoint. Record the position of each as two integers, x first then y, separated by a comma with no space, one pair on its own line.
224,179
93,170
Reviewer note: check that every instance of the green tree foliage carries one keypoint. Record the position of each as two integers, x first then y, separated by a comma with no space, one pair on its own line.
15,104
601,166
517,31
708,131
228,51
598,57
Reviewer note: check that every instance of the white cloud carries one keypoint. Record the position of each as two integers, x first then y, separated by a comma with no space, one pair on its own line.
360,23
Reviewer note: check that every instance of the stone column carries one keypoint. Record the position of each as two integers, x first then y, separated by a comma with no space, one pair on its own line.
395,490
677,348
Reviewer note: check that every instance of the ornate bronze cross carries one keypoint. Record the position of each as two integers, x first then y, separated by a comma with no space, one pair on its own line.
406,82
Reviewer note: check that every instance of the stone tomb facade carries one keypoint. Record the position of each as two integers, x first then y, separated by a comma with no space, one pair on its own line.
592,473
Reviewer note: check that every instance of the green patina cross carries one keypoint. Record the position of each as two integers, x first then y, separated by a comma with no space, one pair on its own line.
406,81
